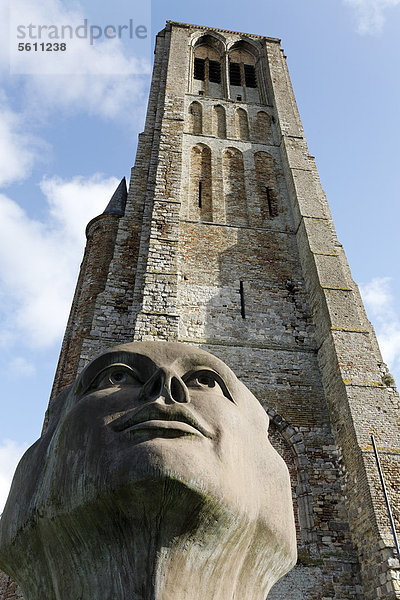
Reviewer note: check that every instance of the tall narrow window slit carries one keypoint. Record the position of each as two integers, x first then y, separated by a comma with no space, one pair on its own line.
269,200
242,305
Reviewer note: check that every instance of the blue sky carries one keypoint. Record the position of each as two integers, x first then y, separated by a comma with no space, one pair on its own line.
68,133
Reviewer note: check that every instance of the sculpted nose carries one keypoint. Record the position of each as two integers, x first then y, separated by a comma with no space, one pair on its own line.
175,389
166,384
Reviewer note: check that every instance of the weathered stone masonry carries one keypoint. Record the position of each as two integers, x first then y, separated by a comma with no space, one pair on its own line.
226,242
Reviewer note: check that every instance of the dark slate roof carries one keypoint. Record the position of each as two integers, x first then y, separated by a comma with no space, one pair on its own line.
116,206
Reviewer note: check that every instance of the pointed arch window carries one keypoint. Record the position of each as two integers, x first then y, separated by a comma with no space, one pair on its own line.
200,196
262,127
207,67
242,75
236,212
219,121
241,124
267,184
195,118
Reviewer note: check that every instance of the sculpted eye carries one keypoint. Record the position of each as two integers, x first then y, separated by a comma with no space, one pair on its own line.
115,375
207,380
118,376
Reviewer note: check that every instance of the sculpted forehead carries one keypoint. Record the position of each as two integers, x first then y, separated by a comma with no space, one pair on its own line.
173,353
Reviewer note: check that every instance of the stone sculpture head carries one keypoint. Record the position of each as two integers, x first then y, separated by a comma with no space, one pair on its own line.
154,479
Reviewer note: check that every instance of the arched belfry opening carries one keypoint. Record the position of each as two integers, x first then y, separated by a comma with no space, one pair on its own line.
207,72
244,81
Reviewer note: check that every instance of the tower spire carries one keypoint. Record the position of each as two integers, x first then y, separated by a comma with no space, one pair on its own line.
117,204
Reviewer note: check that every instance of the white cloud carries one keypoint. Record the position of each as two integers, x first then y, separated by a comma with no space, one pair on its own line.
101,79
370,14
72,204
377,295
19,150
100,83
106,96
380,305
39,259
10,454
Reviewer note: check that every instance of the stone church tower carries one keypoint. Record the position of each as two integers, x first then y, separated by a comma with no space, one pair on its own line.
224,240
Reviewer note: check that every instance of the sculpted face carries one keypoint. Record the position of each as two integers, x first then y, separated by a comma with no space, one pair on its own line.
145,410
153,412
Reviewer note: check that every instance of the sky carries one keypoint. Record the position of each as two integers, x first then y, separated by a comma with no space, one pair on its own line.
69,122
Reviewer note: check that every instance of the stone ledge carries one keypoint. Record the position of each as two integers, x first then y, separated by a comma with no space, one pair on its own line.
349,329
373,384
291,232
211,342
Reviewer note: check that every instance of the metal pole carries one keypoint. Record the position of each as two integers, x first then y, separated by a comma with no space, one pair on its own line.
386,496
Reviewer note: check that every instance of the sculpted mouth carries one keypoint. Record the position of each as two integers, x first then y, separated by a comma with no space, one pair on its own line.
170,426
171,420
